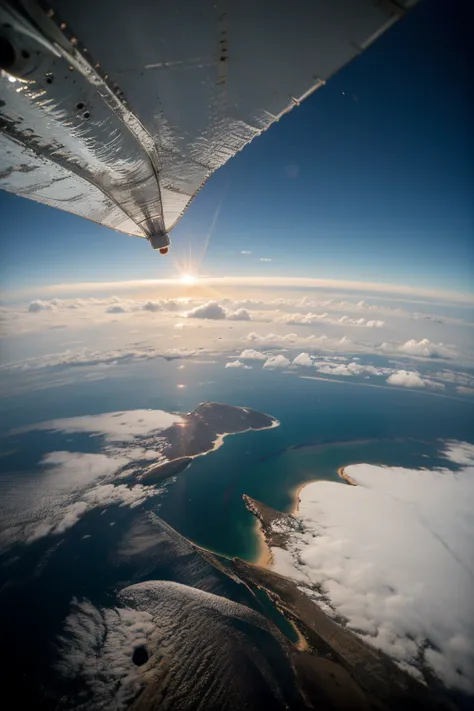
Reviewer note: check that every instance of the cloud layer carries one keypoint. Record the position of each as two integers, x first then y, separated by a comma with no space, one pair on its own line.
407,379
393,557
214,311
69,484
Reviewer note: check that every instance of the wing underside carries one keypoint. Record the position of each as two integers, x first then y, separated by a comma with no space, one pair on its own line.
120,112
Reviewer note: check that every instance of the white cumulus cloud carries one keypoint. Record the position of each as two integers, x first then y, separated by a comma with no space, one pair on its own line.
303,359
152,306
425,348
237,364
406,379
278,361
251,354
210,310
116,309
239,315
37,306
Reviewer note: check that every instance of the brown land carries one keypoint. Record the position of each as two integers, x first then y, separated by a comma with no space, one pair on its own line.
200,432
342,473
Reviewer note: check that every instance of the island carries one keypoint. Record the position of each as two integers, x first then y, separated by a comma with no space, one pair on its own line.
201,431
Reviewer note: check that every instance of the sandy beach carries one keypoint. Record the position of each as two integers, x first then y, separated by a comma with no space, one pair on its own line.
342,473
296,497
264,558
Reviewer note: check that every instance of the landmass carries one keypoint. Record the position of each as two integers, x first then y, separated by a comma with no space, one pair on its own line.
199,432
310,596
210,615
159,472
333,670
340,670
341,472
273,529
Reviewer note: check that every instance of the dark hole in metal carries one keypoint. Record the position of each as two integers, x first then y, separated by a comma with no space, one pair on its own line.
86,114
25,54
140,656
80,105
49,79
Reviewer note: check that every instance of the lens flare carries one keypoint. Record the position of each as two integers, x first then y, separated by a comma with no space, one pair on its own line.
188,279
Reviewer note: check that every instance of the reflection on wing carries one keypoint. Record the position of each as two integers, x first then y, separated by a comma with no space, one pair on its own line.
119,113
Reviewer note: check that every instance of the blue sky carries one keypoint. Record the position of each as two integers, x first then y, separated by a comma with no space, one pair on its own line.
370,179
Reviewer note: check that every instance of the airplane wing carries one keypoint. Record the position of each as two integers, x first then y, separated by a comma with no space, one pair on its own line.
119,112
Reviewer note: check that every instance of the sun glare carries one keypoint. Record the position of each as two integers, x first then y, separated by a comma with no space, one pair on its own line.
188,279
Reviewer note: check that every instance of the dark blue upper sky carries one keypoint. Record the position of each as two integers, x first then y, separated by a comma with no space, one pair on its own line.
370,179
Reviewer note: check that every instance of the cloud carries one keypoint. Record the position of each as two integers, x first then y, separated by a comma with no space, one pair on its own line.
303,359
73,513
116,309
294,340
406,379
274,339
72,484
123,426
464,390
239,315
345,369
121,494
266,259
424,348
79,469
172,353
37,306
392,557
340,285
277,361
311,319
308,319
107,637
455,377
97,497
88,358
152,306
210,310
251,354
245,251
237,364
111,304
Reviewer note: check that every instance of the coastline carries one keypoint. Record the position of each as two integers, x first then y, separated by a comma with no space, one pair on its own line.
341,472
219,441
263,558
214,445
298,489
296,496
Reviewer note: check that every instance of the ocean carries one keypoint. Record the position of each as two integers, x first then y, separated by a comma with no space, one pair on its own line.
323,425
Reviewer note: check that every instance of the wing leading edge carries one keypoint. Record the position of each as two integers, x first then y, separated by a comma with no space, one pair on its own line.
121,115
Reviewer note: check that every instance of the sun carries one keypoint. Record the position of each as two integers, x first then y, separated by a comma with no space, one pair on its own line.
188,279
